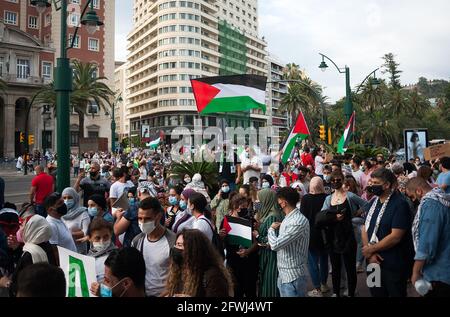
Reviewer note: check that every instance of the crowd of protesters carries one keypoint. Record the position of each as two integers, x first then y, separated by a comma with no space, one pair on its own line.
311,216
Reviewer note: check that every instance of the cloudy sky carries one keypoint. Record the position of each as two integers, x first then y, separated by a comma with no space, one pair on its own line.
351,32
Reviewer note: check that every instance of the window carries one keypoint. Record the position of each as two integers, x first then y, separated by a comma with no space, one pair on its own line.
23,68
74,138
96,4
95,73
75,1
74,19
93,45
2,61
10,17
48,19
93,134
33,22
47,70
76,43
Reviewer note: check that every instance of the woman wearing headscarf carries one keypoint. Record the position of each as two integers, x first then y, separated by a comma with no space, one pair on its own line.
311,205
77,218
184,219
199,186
268,272
35,233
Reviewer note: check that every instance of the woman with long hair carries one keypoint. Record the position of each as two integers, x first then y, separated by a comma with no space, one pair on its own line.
196,268
268,271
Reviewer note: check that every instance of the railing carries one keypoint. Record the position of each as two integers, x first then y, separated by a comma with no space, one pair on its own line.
31,80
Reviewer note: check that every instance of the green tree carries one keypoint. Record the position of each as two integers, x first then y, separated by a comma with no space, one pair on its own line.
418,104
391,67
87,89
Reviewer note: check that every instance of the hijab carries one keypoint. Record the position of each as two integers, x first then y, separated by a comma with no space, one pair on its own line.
268,200
76,210
316,186
36,231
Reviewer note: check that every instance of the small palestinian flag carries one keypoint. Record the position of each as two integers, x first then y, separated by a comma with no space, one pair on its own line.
347,137
300,132
154,144
239,231
229,93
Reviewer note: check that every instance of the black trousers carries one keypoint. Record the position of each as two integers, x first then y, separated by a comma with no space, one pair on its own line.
245,273
393,284
439,290
350,268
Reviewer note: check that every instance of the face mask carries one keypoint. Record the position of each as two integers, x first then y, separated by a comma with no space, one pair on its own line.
362,168
243,212
187,180
69,203
177,256
337,185
19,236
62,210
157,174
93,211
327,178
225,189
173,201
265,185
106,291
93,174
147,227
101,246
183,205
247,155
292,168
377,190
132,201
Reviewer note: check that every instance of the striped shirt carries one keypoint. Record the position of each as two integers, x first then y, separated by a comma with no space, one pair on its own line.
291,246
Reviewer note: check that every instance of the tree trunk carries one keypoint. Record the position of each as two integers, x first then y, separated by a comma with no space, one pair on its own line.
80,125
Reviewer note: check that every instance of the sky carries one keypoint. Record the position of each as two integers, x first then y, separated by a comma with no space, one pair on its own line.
351,32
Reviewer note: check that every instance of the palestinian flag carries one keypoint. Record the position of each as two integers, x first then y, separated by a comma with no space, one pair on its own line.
239,231
154,144
300,132
229,93
347,137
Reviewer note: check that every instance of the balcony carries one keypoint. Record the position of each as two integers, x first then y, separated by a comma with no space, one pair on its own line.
30,80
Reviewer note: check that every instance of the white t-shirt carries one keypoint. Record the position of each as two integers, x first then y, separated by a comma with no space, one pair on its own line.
61,236
117,190
19,162
143,171
251,173
185,225
203,224
318,161
81,222
358,175
156,256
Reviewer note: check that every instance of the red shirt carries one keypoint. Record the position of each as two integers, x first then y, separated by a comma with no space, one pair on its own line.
44,187
290,178
307,159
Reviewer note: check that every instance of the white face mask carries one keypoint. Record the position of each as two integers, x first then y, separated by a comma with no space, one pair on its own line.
101,246
147,227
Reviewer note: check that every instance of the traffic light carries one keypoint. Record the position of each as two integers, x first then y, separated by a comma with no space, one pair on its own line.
22,137
322,133
30,139
330,139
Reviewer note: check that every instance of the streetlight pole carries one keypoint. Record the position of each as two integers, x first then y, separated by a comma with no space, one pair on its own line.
63,84
348,107
113,123
375,82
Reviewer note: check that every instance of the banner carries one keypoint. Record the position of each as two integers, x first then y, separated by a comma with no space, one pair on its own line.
79,271
437,151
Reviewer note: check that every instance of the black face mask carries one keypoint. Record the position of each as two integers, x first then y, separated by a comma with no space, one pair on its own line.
93,174
62,210
337,185
243,212
377,190
177,256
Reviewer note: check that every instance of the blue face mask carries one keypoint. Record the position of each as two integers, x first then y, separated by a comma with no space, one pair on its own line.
69,203
105,291
265,185
93,211
173,201
225,189
183,205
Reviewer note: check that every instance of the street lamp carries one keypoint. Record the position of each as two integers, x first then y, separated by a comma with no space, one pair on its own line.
348,108
63,84
374,81
113,123
46,116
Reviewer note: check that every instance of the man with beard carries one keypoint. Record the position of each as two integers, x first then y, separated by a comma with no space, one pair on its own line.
92,184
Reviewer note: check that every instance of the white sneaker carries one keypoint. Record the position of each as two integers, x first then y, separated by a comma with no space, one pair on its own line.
334,295
345,293
315,293
324,289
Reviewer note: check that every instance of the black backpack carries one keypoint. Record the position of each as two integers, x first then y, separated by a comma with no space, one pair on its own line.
216,241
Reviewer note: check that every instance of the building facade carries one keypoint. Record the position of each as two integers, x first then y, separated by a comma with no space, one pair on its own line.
29,47
275,93
121,111
175,41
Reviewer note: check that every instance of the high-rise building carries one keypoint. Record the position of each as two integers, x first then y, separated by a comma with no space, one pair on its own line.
275,93
29,46
175,41
121,113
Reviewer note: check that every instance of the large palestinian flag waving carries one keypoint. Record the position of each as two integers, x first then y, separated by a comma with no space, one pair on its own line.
299,133
229,93
347,137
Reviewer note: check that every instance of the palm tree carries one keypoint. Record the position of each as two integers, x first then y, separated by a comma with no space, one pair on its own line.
86,89
371,98
2,85
381,129
418,103
398,103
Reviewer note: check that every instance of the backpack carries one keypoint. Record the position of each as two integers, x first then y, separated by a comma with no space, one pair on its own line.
216,241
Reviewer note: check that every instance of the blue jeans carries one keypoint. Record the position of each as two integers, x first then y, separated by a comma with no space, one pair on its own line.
318,267
296,288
